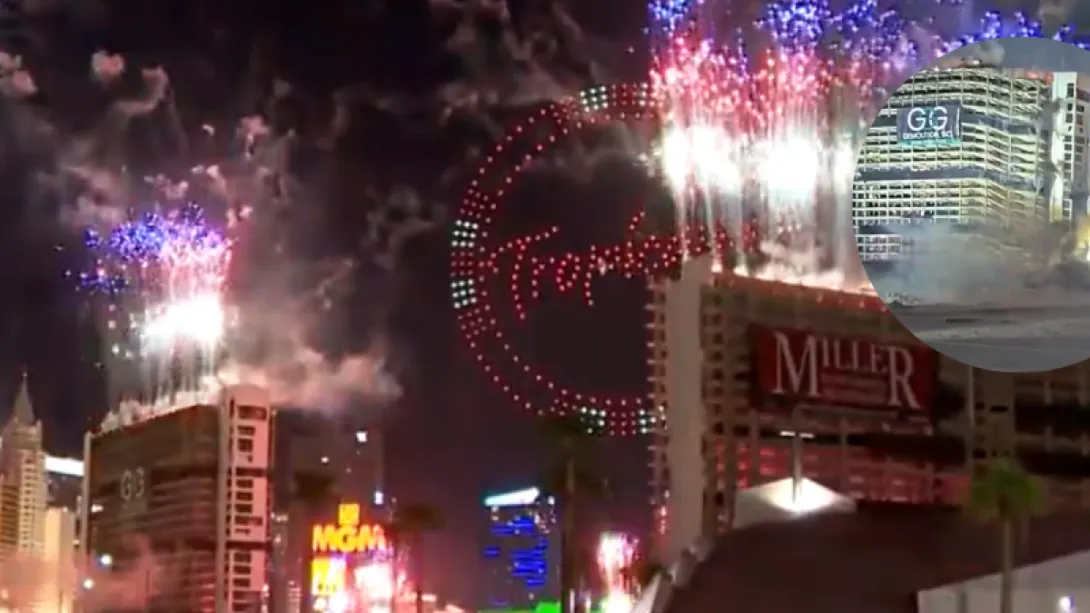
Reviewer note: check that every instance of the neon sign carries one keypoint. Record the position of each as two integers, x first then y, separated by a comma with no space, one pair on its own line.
328,576
349,535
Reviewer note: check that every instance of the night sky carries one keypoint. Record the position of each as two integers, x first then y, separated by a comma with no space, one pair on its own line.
453,437
394,69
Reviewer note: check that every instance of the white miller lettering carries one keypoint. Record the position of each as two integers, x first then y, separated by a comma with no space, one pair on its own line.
819,356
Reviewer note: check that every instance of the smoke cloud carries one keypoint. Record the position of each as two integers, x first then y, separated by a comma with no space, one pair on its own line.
267,161
29,582
22,578
250,177
125,585
952,265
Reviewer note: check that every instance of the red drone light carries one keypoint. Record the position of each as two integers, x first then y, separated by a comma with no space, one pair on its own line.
496,279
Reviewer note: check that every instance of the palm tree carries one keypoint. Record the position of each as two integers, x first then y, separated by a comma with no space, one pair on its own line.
411,522
1007,495
570,479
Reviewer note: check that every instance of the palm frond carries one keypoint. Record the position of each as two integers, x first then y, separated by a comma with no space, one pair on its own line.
1004,491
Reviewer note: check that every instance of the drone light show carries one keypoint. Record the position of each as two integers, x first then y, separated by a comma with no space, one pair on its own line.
756,130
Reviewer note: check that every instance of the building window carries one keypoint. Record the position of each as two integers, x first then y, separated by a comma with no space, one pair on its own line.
248,412
246,445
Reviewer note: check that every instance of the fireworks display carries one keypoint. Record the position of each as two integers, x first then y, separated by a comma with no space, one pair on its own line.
162,276
781,108
757,130
615,555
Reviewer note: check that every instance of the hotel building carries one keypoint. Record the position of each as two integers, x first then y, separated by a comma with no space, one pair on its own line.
178,502
962,145
741,411
521,551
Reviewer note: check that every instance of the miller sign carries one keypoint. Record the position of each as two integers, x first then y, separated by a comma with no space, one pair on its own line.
349,535
929,125
803,368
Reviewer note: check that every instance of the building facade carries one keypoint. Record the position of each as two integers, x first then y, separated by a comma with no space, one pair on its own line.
178,502
1068,146
521,551
963,145
346,448
61,580
23,499
349,452
285,569
757,381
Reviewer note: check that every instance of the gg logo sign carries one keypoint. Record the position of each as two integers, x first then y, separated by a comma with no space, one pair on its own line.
133,484
934,118
929,125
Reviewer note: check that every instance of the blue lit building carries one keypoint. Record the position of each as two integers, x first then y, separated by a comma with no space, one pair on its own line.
520,552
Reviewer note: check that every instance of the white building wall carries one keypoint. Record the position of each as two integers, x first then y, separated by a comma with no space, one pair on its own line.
1055,586
33,494
1068,149
245,497
686,478
60,580
22,468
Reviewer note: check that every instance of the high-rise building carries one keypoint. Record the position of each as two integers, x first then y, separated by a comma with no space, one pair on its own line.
64,482
757,381
521,551
1068,152
285,569
22,505
349,451
22,479
958,145
61,578
177,501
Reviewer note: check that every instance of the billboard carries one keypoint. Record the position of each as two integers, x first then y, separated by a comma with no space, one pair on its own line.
348,536
921,126
793,367
350,558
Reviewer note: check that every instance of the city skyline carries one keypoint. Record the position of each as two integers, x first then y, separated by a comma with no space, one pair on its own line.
331,148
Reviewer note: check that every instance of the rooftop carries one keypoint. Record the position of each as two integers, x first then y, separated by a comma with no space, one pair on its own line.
873,560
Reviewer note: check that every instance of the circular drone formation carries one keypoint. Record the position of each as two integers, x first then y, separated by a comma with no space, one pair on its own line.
480,258
756,150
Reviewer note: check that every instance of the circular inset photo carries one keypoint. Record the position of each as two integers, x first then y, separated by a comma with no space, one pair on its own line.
970,204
